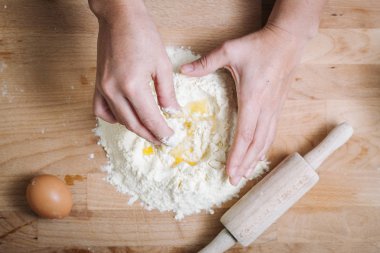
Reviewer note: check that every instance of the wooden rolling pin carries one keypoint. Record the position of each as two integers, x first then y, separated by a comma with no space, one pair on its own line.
275,194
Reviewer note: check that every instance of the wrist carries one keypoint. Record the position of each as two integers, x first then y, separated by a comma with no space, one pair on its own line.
111,10
299,18
300,32
287,38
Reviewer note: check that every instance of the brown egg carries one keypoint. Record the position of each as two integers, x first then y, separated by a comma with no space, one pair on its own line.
49,197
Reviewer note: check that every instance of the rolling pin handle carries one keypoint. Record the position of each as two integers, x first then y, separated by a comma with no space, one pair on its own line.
334,140
221,243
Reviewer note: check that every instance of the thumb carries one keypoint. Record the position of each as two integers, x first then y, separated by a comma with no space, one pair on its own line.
206,64
165,90
101,108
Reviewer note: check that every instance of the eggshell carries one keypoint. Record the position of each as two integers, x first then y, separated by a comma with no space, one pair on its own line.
49,197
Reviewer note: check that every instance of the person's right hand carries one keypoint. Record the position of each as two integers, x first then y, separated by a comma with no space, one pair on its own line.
130,55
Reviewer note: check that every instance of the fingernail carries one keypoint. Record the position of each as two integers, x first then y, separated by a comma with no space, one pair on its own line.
156,143
232,171
262,158
171,141
171,111
187,68
235,180
167,141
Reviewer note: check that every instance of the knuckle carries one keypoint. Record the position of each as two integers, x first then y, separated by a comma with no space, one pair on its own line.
107,88
245,134
130,126
163,98
167,96
151,123
258,145
226,48
203,62
97,110
129,89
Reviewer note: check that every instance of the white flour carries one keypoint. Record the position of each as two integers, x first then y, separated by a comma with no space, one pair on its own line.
189,175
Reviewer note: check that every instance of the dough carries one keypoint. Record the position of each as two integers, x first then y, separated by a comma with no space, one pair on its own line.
188,176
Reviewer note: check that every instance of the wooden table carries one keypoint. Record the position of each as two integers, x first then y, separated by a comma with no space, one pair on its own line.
47,71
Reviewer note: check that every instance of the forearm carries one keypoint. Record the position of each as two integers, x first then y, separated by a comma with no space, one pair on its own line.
298,17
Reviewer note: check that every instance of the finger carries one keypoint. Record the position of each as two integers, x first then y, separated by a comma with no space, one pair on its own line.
147,111
257,145
207,64
270,138
101,108
247,119
165,89
268,142
125,115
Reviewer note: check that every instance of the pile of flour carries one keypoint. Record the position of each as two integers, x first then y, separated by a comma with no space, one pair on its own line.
188,176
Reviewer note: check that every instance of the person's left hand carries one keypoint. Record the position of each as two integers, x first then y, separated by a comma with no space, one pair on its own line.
261,64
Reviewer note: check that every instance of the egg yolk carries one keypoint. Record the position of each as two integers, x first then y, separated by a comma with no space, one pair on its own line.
148,150
178,153
198,107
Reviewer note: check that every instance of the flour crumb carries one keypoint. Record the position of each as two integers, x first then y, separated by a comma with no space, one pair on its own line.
91,156
4,89
3,66
132,200
188,176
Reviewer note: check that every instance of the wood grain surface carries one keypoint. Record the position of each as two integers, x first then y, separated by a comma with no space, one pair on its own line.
47,74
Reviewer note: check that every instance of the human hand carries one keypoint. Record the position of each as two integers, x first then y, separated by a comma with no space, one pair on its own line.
261,64
130,55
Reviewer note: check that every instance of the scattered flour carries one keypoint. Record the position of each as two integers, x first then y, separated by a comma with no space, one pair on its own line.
188,175
3,66
4,89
